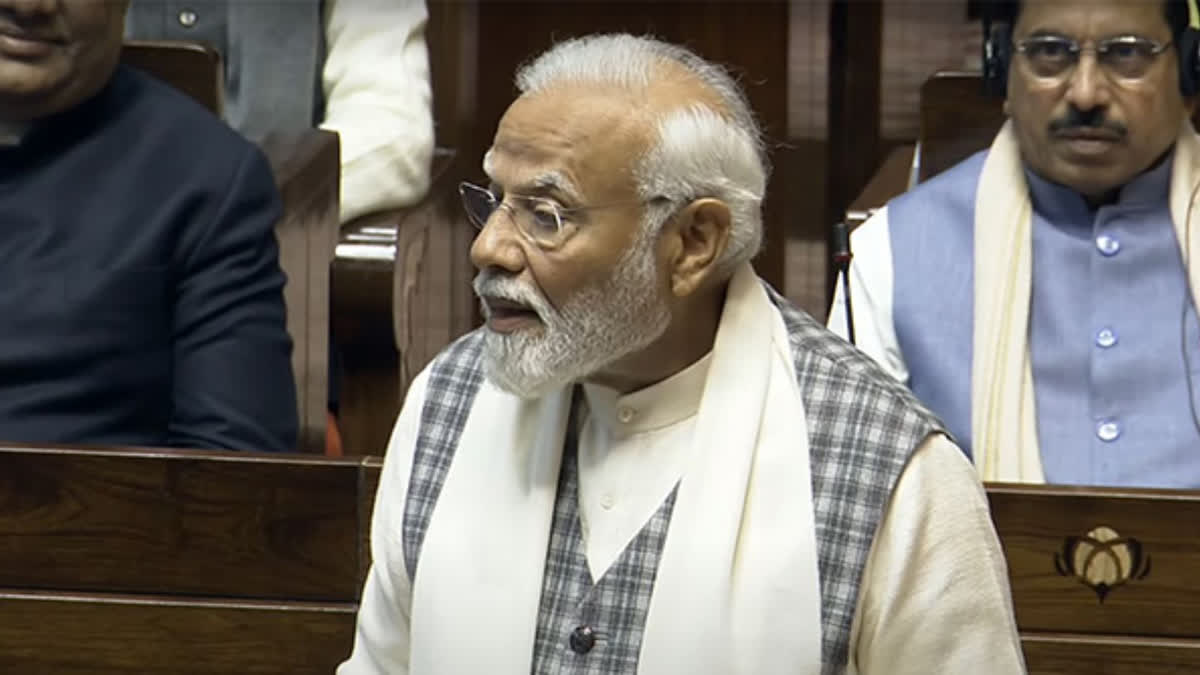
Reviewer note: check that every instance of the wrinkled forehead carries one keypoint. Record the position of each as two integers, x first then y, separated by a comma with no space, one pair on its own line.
575,143
1094,19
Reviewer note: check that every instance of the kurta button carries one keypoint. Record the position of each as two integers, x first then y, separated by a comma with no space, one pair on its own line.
1109,246
582,639
626,415
1106,338
187,18
1108,430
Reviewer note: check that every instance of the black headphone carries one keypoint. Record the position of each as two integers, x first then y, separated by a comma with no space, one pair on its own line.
997,54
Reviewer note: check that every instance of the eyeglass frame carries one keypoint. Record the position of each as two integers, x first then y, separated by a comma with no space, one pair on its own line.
1099,49
560,212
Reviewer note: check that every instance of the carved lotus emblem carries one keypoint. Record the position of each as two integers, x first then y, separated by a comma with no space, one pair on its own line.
1102,560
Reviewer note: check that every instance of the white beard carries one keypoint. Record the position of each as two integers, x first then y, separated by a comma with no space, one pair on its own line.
598,325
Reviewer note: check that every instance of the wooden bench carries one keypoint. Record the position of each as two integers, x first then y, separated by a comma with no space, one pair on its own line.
179,562
1103,580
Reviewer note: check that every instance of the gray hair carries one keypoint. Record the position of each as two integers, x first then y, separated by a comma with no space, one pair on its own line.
699,151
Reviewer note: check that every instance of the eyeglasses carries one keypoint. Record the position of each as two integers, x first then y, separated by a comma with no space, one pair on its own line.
541,220
1127,57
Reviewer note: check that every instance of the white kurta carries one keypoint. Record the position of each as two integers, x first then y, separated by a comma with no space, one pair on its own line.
934,597
379,100
871,290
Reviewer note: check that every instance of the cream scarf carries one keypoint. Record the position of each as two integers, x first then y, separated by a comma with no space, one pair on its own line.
737,589
1003,420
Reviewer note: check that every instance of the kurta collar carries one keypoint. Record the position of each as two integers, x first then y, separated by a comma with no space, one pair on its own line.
659,405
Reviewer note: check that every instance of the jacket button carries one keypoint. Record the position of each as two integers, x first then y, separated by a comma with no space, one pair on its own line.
582,639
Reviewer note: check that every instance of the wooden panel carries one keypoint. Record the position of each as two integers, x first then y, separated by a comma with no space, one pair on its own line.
191,67
180,522
307,167
855,31
957,120
112,635
402,286
890,180
1035,522
1050,654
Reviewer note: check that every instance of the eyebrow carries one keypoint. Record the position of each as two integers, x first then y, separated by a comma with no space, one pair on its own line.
554,184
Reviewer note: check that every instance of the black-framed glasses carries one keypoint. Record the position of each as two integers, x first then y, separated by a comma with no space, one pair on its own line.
1127,57
543,221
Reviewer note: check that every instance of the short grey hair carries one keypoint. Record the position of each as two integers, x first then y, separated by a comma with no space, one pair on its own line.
699,151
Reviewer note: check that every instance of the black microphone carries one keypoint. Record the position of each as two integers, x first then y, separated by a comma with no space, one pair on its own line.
841,261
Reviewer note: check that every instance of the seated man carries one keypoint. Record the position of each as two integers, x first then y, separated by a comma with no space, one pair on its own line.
647,460
142,298
357,67
1036,296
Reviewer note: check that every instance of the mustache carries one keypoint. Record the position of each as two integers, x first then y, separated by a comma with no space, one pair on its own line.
1078,120
489,283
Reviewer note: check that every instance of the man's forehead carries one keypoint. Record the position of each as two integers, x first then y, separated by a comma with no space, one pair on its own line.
1093,18
576,133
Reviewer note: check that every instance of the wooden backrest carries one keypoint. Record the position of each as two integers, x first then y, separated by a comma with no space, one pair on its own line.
1103,580
957,120
191,67
307,169
139,561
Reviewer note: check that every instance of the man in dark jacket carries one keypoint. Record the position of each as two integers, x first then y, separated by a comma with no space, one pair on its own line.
140,287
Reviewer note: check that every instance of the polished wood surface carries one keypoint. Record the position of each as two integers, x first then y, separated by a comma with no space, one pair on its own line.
118,560
896,170
307,167
89,634
1050,654
191,67
227,524
1103,580
957,120
1034,523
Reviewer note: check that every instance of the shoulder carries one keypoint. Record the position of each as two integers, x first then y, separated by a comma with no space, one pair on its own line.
825,363
954,185
176,133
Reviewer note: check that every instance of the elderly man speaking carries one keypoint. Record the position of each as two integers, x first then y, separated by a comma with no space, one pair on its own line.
648,461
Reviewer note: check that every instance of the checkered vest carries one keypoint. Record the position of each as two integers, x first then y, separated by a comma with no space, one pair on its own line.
863,427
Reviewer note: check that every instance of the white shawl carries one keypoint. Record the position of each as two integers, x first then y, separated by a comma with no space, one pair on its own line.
1003,419
737,589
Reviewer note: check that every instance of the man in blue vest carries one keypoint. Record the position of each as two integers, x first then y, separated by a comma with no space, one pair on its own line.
142,298
648,461
1040,296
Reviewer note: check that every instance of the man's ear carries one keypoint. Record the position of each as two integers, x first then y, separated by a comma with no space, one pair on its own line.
700,233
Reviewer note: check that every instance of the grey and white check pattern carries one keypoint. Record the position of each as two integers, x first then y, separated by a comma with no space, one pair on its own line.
863,427
615,606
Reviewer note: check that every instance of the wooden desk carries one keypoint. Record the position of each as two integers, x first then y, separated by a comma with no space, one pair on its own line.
179,562
1144,543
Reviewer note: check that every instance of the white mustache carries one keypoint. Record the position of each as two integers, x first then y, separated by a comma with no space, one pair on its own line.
495,286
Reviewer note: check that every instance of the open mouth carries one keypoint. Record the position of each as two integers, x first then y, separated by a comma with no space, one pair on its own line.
505,316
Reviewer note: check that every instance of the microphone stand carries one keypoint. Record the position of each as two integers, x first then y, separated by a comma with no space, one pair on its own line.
841,261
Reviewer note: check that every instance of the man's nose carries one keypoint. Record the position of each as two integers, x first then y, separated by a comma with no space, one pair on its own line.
1088,84
497,245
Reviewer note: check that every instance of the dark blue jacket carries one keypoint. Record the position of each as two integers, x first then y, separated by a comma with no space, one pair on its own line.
141,299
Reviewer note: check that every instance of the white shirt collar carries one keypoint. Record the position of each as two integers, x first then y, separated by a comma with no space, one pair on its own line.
659,405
